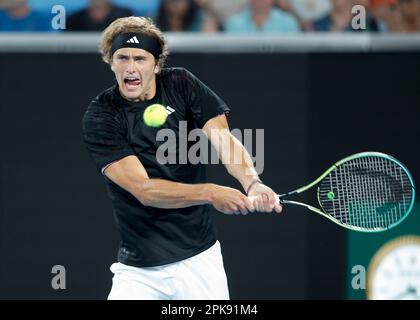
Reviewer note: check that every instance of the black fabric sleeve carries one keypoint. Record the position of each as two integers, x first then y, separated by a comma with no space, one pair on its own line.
104,137
202,101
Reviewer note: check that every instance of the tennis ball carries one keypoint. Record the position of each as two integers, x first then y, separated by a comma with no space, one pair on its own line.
155,115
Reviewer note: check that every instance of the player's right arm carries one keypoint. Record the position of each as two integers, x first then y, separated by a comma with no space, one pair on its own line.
130,174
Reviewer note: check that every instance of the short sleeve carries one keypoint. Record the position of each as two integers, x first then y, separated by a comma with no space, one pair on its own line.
202,101
104,137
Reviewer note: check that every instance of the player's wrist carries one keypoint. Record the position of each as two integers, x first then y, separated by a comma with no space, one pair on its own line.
252,184
209,192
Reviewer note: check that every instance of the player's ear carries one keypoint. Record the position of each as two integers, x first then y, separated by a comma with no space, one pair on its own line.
111,65
157,68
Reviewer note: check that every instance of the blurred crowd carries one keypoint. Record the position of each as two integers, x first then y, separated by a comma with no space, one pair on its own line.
240,16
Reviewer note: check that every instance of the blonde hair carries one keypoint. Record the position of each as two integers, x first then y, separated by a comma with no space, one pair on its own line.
132,24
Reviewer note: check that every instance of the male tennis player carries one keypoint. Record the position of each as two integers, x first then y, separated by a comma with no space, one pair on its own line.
168,246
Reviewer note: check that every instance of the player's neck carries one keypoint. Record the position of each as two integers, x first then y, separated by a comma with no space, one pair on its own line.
149,93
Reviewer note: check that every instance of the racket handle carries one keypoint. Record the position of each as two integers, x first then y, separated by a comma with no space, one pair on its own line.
252,199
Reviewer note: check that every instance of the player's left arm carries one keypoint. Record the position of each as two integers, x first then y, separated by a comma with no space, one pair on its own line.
239,164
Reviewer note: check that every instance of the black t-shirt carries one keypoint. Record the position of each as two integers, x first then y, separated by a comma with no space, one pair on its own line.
113,128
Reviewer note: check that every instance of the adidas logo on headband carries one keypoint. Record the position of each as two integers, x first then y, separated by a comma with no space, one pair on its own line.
133,40
137,40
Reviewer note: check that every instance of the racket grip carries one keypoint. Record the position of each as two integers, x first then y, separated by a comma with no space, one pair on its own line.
252,199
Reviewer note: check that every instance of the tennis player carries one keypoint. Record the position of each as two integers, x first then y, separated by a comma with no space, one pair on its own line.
168,247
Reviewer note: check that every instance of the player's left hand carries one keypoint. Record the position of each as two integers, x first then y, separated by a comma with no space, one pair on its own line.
266,198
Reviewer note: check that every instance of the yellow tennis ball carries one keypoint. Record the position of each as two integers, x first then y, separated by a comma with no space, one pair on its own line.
155,115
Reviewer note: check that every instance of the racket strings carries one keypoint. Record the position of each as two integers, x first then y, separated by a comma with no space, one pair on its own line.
368,193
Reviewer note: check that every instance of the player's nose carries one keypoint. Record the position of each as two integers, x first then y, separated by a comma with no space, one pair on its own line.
130,66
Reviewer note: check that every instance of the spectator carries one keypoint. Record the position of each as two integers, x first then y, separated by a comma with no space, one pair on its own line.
206,6
17,15
385,14
284,5
306,11
184,15
341,17
97,16
262,16
142,8
409,11
71,6
224,9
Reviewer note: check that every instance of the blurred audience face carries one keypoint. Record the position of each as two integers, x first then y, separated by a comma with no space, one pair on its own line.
365,3
203,3
382,10
99,10
341,5
284,5
10,4
409,9
99,3
177,7
261,5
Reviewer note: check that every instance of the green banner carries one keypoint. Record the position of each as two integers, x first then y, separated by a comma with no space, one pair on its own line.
385,265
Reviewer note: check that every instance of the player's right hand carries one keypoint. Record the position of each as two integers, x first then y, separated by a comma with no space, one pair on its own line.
229,200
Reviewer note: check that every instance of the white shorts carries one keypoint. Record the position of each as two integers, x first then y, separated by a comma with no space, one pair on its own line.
201,277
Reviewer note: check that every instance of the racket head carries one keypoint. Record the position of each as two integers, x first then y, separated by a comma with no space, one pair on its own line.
368,191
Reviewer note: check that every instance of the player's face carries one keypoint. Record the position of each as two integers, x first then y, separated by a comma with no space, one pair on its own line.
135,71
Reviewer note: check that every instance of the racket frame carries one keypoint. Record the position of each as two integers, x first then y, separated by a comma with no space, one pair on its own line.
334,166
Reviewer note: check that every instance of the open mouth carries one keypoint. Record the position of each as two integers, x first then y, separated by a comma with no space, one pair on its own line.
132,82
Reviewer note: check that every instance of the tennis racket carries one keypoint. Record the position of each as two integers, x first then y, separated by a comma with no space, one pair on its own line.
368,192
